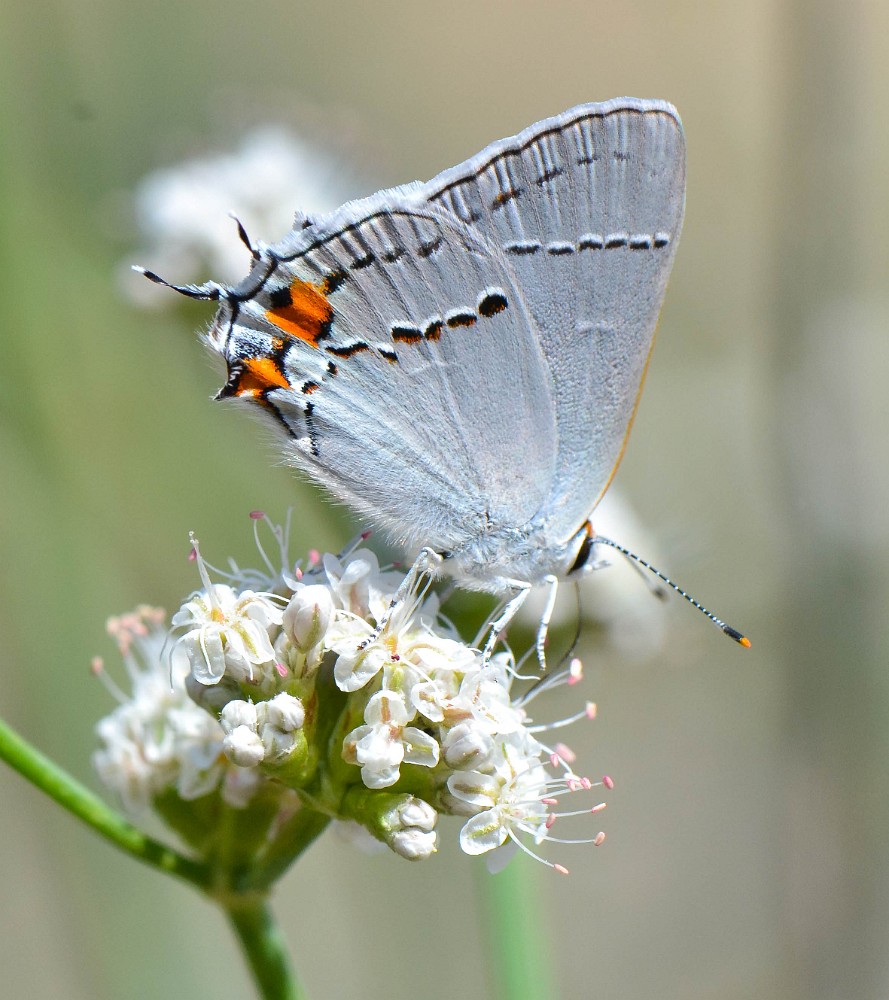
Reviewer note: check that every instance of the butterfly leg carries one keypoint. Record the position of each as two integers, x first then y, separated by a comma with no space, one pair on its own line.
427,561
522,588
546,617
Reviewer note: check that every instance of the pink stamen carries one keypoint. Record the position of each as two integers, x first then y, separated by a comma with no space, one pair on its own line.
575,671
257,515
572,784
561,869
97,665
608,782
566,753
550,820
281,669
314,557
586,784
193,554
299,573
591,710
365,535
554,759
598,808
599,840
550,802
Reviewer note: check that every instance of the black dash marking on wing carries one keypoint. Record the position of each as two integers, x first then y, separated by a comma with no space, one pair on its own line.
362,262
270,407
309,387
505,197
559,249
281,297
523,248
347,350
640,243
661,240
433,246
433,329
389,355
332,368
461,317
590,241
333,281
615,240
492,302
549,175
310,427
390,256
404,334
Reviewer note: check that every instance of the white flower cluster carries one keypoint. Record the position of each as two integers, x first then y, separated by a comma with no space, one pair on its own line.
341,684
432,716
158,739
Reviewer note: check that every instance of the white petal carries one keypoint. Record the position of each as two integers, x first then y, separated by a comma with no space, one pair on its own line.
419,747
380,777
386,708
206,655
482,833
353,670
476,789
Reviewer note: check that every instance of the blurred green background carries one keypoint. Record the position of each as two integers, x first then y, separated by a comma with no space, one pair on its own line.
747,847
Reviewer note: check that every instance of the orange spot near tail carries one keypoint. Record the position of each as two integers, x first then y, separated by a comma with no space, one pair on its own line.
308,314
257,376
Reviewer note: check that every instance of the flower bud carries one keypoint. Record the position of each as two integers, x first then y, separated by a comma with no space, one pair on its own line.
238,713
243,747
308,616
418,813
467,747
414,844
284,712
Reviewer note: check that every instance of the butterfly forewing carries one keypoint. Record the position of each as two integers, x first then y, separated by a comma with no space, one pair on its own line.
406,372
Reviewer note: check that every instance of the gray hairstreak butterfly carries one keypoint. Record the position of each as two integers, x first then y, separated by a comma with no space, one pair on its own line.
460,361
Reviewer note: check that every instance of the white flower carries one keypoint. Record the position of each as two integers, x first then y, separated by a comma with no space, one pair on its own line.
407,649
359,585
226,631
485,694
508,802
382,745
157,739
308,616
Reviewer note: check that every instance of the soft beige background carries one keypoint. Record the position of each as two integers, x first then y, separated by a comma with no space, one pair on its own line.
747,851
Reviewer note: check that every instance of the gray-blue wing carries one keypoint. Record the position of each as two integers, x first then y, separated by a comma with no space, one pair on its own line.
391,344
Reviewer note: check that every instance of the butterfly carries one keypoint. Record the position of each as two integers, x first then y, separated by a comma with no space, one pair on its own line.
460,360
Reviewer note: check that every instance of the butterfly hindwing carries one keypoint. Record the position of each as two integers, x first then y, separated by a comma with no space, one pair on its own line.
587,207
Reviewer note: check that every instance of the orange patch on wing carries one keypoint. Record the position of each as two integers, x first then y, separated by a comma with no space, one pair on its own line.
259,375
308,314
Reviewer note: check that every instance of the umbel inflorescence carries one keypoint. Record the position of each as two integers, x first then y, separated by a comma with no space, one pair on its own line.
296,690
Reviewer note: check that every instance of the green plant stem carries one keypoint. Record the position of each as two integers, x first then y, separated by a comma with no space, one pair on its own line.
522,965
263,946
289,844
79,800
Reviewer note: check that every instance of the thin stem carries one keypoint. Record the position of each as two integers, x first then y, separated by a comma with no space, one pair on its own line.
263,946
522,964
289,844
79,800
